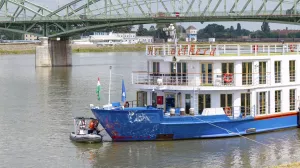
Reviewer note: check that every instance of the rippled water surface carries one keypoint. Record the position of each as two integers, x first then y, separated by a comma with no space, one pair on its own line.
37,106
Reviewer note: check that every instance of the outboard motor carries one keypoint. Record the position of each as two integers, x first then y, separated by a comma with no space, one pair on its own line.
298,118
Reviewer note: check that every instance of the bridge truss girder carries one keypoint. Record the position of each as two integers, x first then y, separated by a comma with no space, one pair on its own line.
78,16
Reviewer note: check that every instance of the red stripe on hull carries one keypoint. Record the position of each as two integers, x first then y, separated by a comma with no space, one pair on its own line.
276,115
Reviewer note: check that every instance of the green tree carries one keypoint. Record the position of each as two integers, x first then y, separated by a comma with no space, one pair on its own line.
265,27
141,31
238,29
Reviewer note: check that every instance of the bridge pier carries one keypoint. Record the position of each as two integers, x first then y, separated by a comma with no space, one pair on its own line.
53,53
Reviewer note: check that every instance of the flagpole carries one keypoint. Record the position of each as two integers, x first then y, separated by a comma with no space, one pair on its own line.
109,84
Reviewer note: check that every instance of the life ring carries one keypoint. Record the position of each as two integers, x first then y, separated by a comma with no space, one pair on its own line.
173,51
228,78
292,47
255,47
228,111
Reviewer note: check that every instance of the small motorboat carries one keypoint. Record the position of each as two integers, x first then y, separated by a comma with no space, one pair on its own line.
81,133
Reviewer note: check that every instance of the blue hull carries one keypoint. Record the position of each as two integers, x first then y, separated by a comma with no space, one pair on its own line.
139,124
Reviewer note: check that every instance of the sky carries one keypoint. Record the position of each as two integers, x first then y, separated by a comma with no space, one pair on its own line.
252,26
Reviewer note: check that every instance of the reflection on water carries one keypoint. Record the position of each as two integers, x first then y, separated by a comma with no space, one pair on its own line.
37,106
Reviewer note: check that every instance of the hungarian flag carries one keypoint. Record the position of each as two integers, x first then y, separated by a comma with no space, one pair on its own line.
98,89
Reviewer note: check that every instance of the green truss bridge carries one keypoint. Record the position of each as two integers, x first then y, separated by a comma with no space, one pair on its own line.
77,16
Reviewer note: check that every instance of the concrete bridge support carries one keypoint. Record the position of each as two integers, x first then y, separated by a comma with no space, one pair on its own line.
53,53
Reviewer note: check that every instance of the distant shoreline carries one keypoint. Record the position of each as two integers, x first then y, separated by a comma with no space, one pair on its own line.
9,49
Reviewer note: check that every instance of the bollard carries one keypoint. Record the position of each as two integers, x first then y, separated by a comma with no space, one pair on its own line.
192,111
182,111
172,112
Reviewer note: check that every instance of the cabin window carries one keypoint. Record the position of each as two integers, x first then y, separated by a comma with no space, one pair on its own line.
277,101
245,104
226,100
277,71
154,99
262,103
156,67
141,98
179,72
204,101
206,73
227,68
292,99
247,73
187,103
292,70
262,72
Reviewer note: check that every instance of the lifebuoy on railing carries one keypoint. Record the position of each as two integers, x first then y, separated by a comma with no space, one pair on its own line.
192,50
227,111
173,51
228,78
255,47
212,52
292,47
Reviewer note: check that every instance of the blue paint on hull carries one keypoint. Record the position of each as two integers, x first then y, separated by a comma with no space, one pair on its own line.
138,124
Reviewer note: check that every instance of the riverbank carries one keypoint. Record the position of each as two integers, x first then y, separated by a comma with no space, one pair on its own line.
6,49
291,165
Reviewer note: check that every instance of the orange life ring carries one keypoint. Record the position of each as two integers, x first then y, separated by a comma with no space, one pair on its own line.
292,47
255,47
173,51
228,111
228,78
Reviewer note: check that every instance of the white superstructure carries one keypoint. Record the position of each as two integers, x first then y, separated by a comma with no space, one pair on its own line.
241,79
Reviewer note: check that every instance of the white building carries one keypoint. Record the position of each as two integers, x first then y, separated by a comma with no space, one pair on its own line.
30,37
191,34
104,38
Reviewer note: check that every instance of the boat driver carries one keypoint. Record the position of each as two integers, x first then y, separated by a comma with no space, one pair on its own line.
93,126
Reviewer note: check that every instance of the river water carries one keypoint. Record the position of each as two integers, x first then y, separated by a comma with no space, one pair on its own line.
37,106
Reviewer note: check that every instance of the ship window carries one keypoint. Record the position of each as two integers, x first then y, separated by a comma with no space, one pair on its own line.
206,73
262,72
292,70
204,101
247,73
226,101
277,68
245,104
154,99
155,67
227,68
141,98
277,101
262,103
292,99
187,103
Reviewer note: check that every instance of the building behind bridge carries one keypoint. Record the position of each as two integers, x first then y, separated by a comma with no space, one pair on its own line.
105,38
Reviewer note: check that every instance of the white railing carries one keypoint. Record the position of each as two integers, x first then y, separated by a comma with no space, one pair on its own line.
191,50
194,79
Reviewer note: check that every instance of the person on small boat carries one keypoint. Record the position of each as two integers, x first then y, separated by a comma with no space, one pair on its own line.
126,104
93,126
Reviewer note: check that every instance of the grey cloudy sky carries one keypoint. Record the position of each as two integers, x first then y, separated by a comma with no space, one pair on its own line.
54,4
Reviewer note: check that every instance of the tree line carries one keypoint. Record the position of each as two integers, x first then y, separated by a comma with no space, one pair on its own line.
210,31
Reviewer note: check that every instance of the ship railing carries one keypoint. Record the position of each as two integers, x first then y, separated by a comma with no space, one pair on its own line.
200,79
191,50
235,112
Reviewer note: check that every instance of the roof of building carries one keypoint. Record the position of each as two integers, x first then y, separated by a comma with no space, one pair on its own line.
191,27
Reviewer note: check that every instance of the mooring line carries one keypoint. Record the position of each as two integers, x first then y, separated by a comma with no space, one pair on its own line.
236,133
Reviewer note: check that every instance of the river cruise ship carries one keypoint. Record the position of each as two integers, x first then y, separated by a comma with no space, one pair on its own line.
206,91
